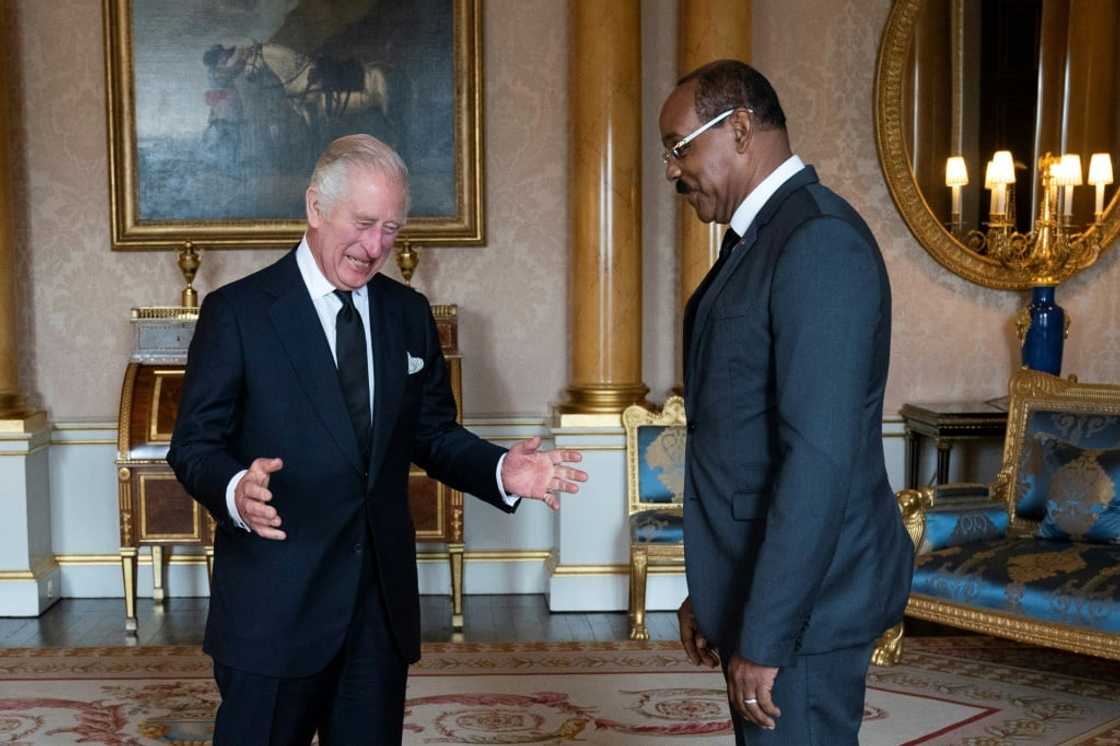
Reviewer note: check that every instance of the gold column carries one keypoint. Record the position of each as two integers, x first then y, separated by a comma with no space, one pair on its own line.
605,280
14,414
708,30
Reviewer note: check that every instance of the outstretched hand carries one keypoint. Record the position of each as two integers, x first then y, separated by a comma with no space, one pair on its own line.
540,475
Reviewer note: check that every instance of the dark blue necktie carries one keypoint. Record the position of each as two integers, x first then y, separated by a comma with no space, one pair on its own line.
353,371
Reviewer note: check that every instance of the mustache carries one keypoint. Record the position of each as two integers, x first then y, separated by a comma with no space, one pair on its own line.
682,188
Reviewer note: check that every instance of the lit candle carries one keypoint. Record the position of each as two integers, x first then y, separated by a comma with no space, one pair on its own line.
1001,174
956,176
1100,173
1070,178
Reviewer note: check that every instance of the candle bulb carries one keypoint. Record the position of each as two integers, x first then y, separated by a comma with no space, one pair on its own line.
1100,173
956,176
1071,177
1002,173
999,199
990,185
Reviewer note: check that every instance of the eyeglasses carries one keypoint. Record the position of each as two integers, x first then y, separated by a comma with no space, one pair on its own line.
679,150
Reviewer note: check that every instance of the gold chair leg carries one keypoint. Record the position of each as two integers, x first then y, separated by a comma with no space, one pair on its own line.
455,557
639,562
157,574
128,571
210,564
888,649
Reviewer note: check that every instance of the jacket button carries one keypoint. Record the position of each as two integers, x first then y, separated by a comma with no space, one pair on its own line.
358,548
691,427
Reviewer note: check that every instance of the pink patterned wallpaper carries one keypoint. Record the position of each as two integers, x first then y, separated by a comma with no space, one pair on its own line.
951,339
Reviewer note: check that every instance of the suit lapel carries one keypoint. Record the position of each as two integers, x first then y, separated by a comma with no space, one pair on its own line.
390,365
301,335
696,331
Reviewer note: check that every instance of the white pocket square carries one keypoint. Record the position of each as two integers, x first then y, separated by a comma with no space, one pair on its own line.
415,364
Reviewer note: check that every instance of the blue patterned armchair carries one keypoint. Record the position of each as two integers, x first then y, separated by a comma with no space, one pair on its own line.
655,495
1035,556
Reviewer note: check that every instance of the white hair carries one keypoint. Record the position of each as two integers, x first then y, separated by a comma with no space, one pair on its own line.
331,177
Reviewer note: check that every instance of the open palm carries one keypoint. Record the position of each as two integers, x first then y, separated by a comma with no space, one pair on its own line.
541,475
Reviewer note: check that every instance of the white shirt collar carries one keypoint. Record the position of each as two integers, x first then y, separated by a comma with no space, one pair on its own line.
318,286
749,208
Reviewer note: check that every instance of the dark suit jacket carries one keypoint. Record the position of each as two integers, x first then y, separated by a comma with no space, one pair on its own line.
261,382
793,540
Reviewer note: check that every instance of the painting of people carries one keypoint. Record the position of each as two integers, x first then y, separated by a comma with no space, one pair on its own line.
231,100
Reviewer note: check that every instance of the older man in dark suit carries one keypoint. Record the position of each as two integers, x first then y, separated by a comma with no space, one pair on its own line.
310,387
797,556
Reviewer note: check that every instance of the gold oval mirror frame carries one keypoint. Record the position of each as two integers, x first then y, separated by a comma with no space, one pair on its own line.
942,245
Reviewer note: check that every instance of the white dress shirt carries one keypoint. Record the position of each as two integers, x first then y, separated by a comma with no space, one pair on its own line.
327,306
748,209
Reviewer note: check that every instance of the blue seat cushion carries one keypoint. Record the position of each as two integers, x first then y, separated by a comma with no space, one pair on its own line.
656,527
1069,583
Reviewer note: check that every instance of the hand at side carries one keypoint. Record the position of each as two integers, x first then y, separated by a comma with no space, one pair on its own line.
749,686
695,644
252,497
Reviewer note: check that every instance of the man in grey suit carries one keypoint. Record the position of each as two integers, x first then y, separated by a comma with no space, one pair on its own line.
797,556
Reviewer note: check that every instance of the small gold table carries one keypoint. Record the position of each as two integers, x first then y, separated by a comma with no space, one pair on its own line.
946,423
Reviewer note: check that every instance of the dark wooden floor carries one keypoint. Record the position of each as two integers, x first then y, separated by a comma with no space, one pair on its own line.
86,622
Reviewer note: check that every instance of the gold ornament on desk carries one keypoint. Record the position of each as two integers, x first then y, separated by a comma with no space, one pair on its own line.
1054,249
189,261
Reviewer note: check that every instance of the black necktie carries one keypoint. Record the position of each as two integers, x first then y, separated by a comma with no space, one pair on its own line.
730,238
353,372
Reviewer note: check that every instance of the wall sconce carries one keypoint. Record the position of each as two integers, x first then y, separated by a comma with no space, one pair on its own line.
1001,177
1100,174
1069,176
956,176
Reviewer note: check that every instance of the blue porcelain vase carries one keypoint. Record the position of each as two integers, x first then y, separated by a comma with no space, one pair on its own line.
1045,333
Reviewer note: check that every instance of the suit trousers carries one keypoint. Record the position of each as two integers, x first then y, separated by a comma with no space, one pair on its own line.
821,699
357,700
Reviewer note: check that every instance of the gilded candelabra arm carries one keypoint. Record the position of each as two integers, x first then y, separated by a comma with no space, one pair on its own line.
913,504
1023,324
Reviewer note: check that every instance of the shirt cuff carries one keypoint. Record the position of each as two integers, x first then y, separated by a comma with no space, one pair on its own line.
231,504
510,500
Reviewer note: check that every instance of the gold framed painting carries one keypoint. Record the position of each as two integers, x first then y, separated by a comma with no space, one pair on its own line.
217,110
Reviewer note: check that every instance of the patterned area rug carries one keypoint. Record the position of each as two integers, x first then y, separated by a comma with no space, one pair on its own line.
967,691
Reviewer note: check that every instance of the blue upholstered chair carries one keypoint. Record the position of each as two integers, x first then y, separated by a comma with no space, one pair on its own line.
655,495
1035,556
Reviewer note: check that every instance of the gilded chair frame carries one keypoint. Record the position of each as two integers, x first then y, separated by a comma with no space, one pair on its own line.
643,555
1030,391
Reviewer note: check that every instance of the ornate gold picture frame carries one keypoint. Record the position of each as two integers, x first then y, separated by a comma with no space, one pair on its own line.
216,114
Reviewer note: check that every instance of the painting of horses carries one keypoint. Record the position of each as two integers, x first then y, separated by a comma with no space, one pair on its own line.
218,110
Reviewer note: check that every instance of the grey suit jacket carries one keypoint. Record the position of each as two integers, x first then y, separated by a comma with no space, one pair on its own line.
793,540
